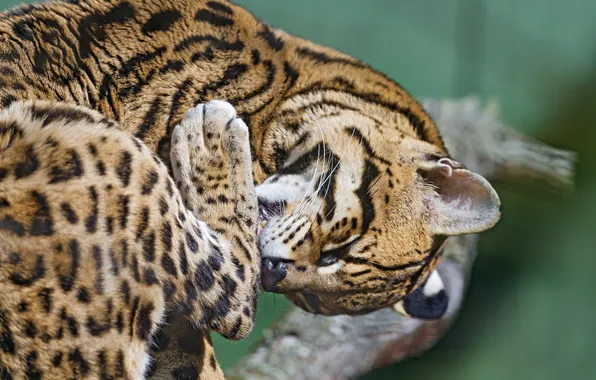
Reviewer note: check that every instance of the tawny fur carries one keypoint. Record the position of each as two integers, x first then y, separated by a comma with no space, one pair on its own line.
143,64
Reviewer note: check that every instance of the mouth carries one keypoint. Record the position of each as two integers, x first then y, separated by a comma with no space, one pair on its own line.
268,210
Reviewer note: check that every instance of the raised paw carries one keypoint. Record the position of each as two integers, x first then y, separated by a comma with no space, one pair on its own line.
211,160
212,168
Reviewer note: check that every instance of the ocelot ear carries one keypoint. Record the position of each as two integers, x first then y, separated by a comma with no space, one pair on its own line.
462,202
429,301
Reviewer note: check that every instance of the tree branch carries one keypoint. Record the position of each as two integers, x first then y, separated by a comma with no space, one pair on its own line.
304,346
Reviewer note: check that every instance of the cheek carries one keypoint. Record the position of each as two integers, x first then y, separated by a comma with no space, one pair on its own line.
293,237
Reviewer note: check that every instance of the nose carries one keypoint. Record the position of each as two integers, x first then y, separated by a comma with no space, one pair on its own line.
273,270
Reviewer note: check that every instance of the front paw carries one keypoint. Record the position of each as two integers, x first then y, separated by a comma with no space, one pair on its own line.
211,160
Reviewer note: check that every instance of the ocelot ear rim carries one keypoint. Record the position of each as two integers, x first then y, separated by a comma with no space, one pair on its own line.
428,302
461,202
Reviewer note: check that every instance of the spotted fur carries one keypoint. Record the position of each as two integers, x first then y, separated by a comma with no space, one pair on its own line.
356,186
98,245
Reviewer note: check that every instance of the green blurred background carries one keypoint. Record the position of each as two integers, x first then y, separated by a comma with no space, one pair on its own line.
531,311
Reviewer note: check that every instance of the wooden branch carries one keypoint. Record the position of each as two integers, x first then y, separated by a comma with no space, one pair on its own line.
304,346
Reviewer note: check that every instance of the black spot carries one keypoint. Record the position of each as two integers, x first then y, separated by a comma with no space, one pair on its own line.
113,262
124,210
71,323
120,365
95,328
98,258
109,224
168,265
40,59
69,213
120,322
163,206
92,149
321,57
93,27
22,29
183,258
161,21
143,223
67,281
357,135
8,223
57,360
4,203
166,237
135,140
68,170
46,299
101,168
143,324
255,57
91,222
215,259
229,286
28,166
102,361
234,330
149,118
170,187
240,272
169,289
42,221
23,307
212,18
220,7
219,310
149,276
150,183
83,295
369,175
32,371
192,243
135,269
276,43
175,66
38,272
65,114
204,277
213,362
6,340
125,290
149,247
125,168
14,258
77,359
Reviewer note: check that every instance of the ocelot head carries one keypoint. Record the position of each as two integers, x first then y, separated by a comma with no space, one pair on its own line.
355,219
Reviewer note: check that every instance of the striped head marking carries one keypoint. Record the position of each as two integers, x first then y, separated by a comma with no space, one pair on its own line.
347,228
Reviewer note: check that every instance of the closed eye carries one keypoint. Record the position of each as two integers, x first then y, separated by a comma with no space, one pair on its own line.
332,256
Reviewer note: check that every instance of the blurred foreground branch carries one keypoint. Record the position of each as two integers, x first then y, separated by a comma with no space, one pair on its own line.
303,346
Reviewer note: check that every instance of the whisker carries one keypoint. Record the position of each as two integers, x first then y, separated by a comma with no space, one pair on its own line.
301,209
